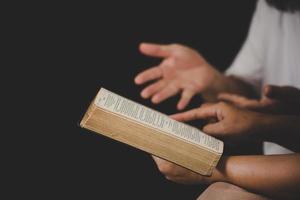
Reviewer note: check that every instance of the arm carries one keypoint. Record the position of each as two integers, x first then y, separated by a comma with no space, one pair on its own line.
275,99
185,71
276,176
271,175
228,84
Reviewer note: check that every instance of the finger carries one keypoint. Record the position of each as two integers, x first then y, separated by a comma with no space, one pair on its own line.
165,93
186,97
267,91
163,165
204,105
156,159
274,91
153,89
198,113
239,101
185,116
148,75
232,98
215,129
159,161
156,50
285,93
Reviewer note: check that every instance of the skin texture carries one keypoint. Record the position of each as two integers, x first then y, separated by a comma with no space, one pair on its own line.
276,176
250,172
275,99
230,122
183,70
236,124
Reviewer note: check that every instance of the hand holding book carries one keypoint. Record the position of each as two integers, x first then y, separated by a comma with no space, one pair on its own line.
151,131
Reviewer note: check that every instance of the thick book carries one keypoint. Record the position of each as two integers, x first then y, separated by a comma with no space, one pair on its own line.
129,122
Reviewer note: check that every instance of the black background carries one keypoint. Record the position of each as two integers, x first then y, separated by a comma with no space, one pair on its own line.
66,53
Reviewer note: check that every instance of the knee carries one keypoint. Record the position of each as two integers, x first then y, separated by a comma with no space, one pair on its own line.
221,190
214,191
220,186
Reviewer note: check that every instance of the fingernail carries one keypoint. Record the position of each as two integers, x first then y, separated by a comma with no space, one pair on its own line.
155,99
179,107
144,94
137,80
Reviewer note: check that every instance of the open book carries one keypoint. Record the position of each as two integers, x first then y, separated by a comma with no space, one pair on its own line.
141,127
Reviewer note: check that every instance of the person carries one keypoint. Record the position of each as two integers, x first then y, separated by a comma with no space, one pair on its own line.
250,172
268,57
275,99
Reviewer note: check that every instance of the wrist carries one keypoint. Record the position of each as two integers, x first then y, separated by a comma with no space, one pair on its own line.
217,82
219,173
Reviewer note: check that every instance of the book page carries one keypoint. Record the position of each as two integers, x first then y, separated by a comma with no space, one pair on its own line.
127,108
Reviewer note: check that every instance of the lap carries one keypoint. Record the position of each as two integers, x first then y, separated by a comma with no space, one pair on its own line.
226,191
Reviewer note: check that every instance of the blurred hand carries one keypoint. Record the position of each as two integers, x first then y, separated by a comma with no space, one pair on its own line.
276,99
181,70
177,173
229,122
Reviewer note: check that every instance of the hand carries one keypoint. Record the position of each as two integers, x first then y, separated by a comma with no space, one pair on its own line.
181,70
230,122
177,173
276,99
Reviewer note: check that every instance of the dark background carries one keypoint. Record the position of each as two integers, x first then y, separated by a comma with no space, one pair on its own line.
67,52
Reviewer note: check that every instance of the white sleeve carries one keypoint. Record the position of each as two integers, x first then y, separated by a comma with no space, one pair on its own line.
248,64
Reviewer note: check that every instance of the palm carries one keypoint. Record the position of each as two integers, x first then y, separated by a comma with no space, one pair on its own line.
182,70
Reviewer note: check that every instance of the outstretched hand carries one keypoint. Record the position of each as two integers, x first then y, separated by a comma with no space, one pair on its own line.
182,70
276,99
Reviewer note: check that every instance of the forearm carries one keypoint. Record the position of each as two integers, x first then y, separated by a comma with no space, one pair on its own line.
277,176
229,84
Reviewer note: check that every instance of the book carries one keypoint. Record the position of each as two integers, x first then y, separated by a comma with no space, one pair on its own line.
136,125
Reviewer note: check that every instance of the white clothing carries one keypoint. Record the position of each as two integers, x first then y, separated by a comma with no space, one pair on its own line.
270,54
